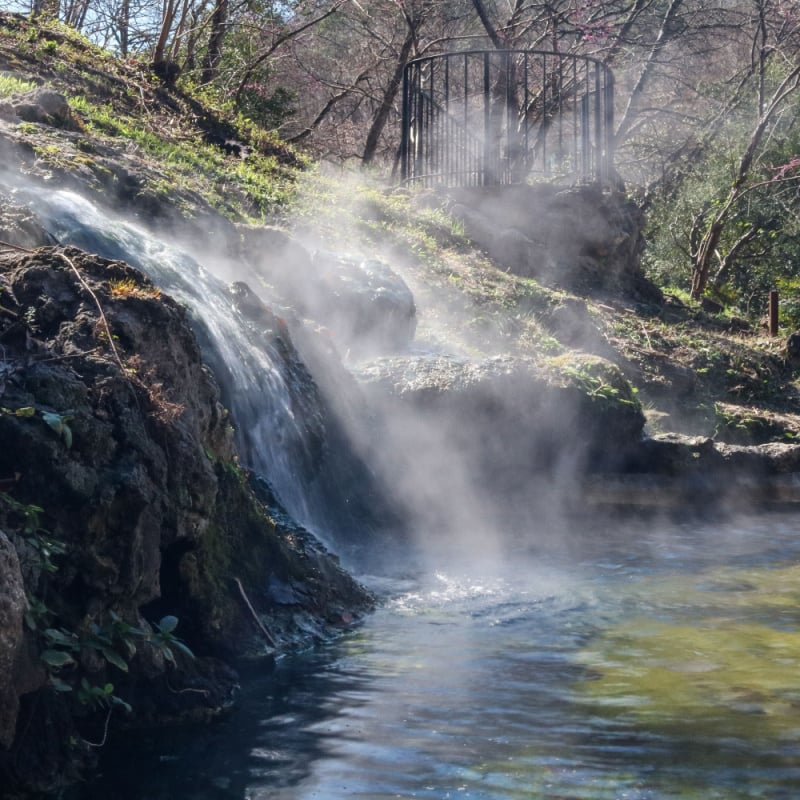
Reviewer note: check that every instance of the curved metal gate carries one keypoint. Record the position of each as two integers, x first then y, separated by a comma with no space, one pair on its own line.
489,117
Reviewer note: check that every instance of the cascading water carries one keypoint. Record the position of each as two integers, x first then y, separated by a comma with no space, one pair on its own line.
274,436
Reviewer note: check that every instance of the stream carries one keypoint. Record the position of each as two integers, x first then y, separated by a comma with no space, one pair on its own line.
638,662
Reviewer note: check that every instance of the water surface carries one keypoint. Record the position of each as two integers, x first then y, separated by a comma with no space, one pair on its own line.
654,663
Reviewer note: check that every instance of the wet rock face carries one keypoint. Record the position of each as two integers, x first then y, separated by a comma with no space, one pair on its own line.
367,306
138,416
12,609
20,226
130,453
498,433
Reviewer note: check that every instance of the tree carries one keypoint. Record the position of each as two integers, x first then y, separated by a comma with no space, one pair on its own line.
774,36
707,248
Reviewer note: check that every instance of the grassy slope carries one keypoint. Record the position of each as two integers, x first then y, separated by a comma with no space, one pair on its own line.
695,373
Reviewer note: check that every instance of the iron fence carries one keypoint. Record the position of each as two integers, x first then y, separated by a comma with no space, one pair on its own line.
488,117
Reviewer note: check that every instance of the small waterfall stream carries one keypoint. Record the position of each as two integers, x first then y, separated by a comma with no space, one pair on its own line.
273,437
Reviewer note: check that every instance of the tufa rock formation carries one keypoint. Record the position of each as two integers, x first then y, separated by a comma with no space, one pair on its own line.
124,512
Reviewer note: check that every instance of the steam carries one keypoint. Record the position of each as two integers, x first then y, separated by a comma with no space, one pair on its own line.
387,446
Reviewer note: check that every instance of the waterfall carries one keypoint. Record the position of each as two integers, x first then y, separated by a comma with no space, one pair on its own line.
268,400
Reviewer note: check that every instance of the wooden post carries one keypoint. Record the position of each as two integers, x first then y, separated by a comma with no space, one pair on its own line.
773,312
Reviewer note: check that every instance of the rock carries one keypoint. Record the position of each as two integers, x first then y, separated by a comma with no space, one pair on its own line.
582,239
366,306
490,436
145,495
695,474
20,226
12,609
793,346
45,107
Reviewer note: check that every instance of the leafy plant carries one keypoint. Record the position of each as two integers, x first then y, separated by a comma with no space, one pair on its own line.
165,640
99,697
127,287
58,423
54,420
11,85
28,518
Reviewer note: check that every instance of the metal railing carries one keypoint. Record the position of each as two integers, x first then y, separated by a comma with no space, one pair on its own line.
489,117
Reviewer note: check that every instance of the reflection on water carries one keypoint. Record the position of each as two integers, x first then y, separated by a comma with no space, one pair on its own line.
657,666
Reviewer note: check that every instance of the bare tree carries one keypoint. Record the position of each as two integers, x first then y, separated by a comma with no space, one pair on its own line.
707,249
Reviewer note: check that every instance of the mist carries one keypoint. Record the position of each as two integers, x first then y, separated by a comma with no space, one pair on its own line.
380,417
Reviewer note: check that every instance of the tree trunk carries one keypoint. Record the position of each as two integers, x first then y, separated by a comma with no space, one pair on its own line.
219,20
167,20
46,8
124,27
389,95
664,36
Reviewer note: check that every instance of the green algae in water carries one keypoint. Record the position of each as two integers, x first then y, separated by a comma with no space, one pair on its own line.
719,657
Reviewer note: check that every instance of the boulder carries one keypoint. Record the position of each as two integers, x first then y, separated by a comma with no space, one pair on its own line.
697,475
583,239
365,305
504,437
43,106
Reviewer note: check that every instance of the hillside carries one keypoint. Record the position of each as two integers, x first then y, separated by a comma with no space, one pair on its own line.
166,154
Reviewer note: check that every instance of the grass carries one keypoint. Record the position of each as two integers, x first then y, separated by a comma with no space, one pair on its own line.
122,103
10,85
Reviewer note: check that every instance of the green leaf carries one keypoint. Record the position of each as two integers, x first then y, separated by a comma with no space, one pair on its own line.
56,658
168,624
182,647
55,421
113,657
27,411
118,701
57,637
59,685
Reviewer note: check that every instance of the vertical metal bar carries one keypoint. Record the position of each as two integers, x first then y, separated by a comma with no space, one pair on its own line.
419,162
447,133
406,121
598,125
584,134
545,128
506,167
526,141
609,137
575,132
431,121
560,104
432,107
468,157
487,119
426,138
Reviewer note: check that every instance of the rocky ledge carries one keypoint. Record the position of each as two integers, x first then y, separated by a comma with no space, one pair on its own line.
135,557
